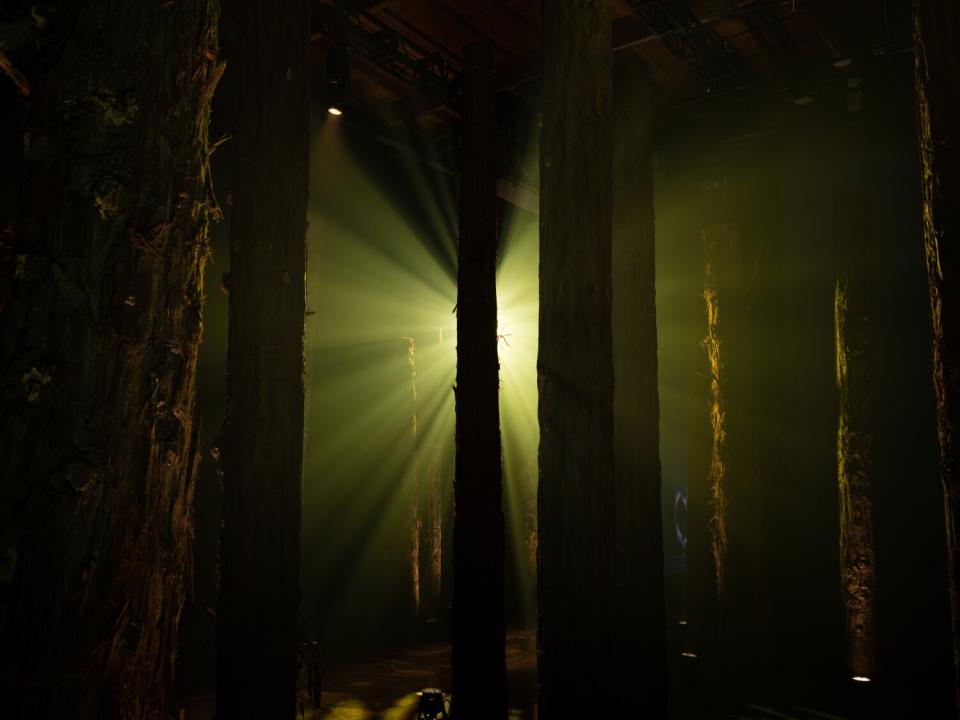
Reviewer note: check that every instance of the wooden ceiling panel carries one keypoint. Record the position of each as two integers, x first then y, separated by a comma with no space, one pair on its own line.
781,40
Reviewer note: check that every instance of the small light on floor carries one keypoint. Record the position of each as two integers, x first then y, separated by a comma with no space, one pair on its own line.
861,678
333,110
688,654
681,622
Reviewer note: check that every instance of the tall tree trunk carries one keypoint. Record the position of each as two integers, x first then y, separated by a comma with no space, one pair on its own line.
937,40
99,326
479,544
733,291
575,364
641,639
718,241
852,319
261,446
434,532
412,492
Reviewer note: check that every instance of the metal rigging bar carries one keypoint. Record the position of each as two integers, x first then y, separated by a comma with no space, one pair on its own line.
387,49
695,44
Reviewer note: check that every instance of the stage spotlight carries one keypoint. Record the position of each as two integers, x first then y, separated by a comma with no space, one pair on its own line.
338,69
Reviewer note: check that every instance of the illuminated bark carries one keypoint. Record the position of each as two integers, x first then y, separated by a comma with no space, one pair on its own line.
435,527
854,431
529,491
479,534
640,627
714,239
261,444
937,41
576,508
100,300
412,487
735,277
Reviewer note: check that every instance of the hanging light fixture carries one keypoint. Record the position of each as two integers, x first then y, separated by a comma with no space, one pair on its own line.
338,68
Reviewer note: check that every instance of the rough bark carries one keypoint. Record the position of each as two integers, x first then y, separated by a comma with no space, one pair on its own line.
641,638
735,271
852,319
99,328
479,544
702,600
937,41
412,491
575,364
434,532
261,444
717,240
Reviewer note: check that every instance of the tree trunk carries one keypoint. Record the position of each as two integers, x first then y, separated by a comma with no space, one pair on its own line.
261,446
99,327
575,364
434,533
718,242
937,40
735,275
412,492
641,639
855,432
479,634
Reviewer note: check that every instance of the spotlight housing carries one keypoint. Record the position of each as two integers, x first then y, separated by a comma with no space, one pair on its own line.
338,69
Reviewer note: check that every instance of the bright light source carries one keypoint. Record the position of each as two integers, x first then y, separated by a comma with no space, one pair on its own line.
335,111
861,678
688,654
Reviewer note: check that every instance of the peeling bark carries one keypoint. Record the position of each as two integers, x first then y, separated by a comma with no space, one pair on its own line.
412,490
715,242
937,42
99,328
576,507
854,431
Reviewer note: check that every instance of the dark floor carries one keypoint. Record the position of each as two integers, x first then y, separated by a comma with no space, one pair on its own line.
385,688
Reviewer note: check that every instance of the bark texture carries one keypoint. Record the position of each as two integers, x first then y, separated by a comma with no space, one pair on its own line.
412,491
577,543
735,618
261,444
735,293
717,241
852,319
99,327
641,638
937,55
479,634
